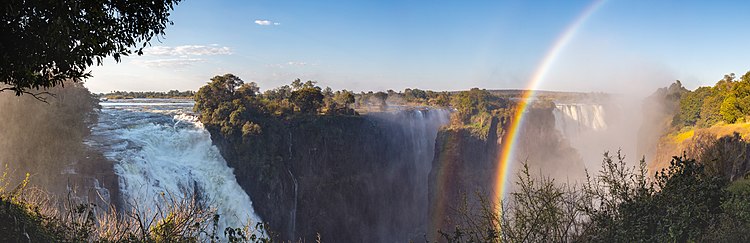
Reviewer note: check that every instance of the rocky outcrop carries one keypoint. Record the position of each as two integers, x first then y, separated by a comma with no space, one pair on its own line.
463,170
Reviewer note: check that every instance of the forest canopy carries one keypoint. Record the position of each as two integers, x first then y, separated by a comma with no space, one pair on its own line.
235,106
728,101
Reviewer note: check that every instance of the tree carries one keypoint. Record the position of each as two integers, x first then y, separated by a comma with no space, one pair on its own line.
473,102
296,84
220,90
308,100
690,106
344,98
443,99
249,89
710,109
47,42
729,110
381,99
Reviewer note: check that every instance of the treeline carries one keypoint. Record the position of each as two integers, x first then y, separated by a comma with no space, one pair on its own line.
728,101
408,97
230,103
148,94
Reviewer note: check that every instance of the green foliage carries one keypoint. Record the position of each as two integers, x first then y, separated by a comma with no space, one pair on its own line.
307,99
238,109
148,94
415,95
214,96
55,41
470,103
728,101
690,106
477,107
710,110
730,111
344,98
683,203
251,128
31,215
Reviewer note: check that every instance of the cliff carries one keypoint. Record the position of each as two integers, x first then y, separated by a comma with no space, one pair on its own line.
463,168
722,148
348,178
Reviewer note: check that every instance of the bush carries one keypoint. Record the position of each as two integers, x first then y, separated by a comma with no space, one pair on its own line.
31,215
683,203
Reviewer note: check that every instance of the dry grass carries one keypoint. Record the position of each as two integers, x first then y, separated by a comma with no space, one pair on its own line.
679,138
181,219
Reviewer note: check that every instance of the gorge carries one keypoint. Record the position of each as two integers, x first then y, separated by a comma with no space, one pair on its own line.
388,176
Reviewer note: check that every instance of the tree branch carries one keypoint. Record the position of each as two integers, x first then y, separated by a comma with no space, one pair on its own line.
38,95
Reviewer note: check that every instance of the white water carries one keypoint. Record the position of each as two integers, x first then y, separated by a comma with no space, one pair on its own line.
420,129
163,149
572,120
584,126
593,130
423,130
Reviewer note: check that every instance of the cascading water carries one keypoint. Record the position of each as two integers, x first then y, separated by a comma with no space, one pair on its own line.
160,149
422,129
294,209
592,130
414,131
574,119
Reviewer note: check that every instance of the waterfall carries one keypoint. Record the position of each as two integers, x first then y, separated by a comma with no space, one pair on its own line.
294,209
160,149
413,131
422,129
572,120
591,130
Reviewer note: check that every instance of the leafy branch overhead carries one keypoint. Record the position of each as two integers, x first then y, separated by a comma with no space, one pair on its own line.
44,43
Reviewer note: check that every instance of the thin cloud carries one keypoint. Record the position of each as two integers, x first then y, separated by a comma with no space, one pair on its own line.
168,63
265,22
298,64
187,50
291,64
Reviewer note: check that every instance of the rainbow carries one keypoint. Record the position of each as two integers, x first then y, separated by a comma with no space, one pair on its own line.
509,140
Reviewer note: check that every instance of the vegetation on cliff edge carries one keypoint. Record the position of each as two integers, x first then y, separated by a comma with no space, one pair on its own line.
682,203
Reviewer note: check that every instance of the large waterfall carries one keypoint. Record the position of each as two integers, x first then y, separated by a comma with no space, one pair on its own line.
585,127
574,119
161,151
411,135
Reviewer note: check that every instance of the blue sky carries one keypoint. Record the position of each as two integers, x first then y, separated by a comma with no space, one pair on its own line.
624,46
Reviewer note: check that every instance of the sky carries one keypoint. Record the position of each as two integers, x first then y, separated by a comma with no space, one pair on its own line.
624,46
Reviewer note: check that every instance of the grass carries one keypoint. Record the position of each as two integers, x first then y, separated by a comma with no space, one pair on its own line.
679,138
32,215
719,130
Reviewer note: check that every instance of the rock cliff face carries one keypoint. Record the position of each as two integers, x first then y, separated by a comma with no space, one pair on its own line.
380,177
348,178
723,149
464,165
